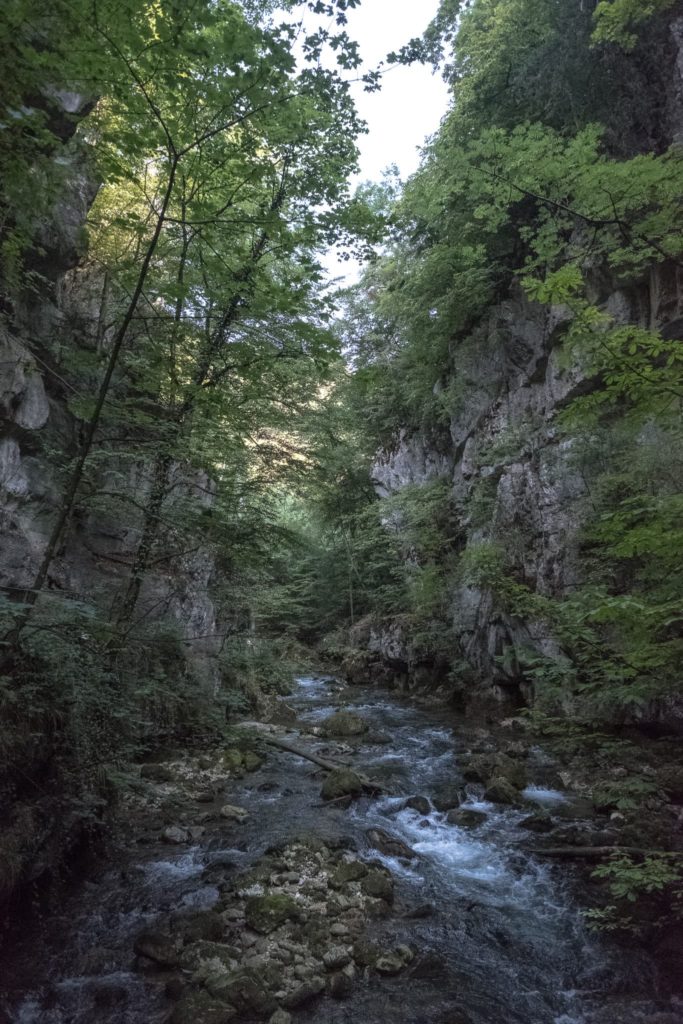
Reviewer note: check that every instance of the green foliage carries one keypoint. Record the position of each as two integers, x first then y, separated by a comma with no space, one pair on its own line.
615,20
634,885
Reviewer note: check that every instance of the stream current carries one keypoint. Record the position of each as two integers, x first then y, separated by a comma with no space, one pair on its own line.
502,939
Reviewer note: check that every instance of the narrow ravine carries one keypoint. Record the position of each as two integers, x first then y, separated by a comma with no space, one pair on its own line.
498,935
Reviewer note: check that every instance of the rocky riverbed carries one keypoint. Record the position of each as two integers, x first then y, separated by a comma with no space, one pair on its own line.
253,884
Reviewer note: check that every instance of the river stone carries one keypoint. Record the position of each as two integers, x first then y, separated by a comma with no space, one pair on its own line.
395,960
196,1006
500,791
158,946
340,985
198,925
232,813
245,990
252,761
233,760
485,767
157,773
389,845
418,803
336,957
465,817
348,871
344,723
280,1017
365,953
266,913
339,783
379,885
199,952
305,992
175,835
447,797
539,822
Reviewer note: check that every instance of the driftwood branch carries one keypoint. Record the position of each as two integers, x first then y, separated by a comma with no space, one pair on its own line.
329,766
598,852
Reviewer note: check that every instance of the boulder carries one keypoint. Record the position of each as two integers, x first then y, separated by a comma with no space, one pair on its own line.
538,822
158,946
233,760
395,960
336,957
175,835
198,926
484,767
418,803
366,953
157,773
447,797
344,723
340,783
196,1006
198,952
465,817
378,884
389,845
232,813
500,791
245,990
266,913
280,1017
340,985
305,992
252,761
348,871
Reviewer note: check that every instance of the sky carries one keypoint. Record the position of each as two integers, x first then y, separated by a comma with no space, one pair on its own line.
410,104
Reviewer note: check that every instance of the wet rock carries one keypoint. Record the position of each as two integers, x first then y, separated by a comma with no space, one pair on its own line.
232,813
538,822
252,761
389,845
378,884
465,817
418,913
394,961
175,836
340,985
500,791
336,957
245,990
196,1006
280,1017
348,871
157,773
205,796
266,913
158,946
199,952
198,925
305,992
418,803
343,723
233,760
366,953
173,989
485,767
342,782
447,797
109,993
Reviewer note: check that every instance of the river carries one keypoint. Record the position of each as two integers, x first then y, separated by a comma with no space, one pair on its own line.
502,939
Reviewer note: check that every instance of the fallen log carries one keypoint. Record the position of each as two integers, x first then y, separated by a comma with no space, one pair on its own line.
598,852
329,766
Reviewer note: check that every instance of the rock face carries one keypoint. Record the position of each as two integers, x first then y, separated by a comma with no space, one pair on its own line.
39,431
